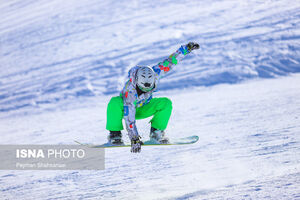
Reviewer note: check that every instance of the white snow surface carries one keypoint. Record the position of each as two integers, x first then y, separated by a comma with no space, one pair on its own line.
249,148
62,61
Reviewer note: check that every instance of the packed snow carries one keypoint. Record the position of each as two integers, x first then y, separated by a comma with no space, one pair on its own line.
61,62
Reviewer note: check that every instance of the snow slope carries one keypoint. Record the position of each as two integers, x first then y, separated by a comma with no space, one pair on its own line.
249,148
240,93
51,51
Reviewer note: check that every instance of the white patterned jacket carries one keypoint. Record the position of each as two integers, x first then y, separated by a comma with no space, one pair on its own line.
132,100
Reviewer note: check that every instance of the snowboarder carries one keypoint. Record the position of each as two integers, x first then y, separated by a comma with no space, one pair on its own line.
136,102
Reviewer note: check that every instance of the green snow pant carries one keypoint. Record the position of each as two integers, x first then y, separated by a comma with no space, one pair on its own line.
159,108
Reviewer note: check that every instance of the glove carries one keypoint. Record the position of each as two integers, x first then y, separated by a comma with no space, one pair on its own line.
192,46
136,145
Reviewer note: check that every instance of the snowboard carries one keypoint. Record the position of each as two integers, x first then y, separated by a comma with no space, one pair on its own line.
179,141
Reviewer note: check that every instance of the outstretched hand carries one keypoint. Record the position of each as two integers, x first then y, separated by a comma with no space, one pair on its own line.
136,145
192,46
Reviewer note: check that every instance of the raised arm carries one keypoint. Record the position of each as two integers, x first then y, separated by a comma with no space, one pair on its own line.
166,65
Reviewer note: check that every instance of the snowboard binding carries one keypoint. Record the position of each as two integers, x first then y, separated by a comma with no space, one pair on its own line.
158,136
115,138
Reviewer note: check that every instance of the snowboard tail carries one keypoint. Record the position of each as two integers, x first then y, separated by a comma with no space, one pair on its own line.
180,141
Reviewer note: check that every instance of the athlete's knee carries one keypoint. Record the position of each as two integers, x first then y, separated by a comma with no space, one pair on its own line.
167,103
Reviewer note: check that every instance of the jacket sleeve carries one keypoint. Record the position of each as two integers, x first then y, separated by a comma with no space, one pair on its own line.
129,101
167,65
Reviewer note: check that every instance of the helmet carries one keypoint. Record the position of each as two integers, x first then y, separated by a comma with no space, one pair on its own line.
145,78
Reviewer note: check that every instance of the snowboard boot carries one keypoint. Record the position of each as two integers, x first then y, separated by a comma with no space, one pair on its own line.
158,136
115,137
